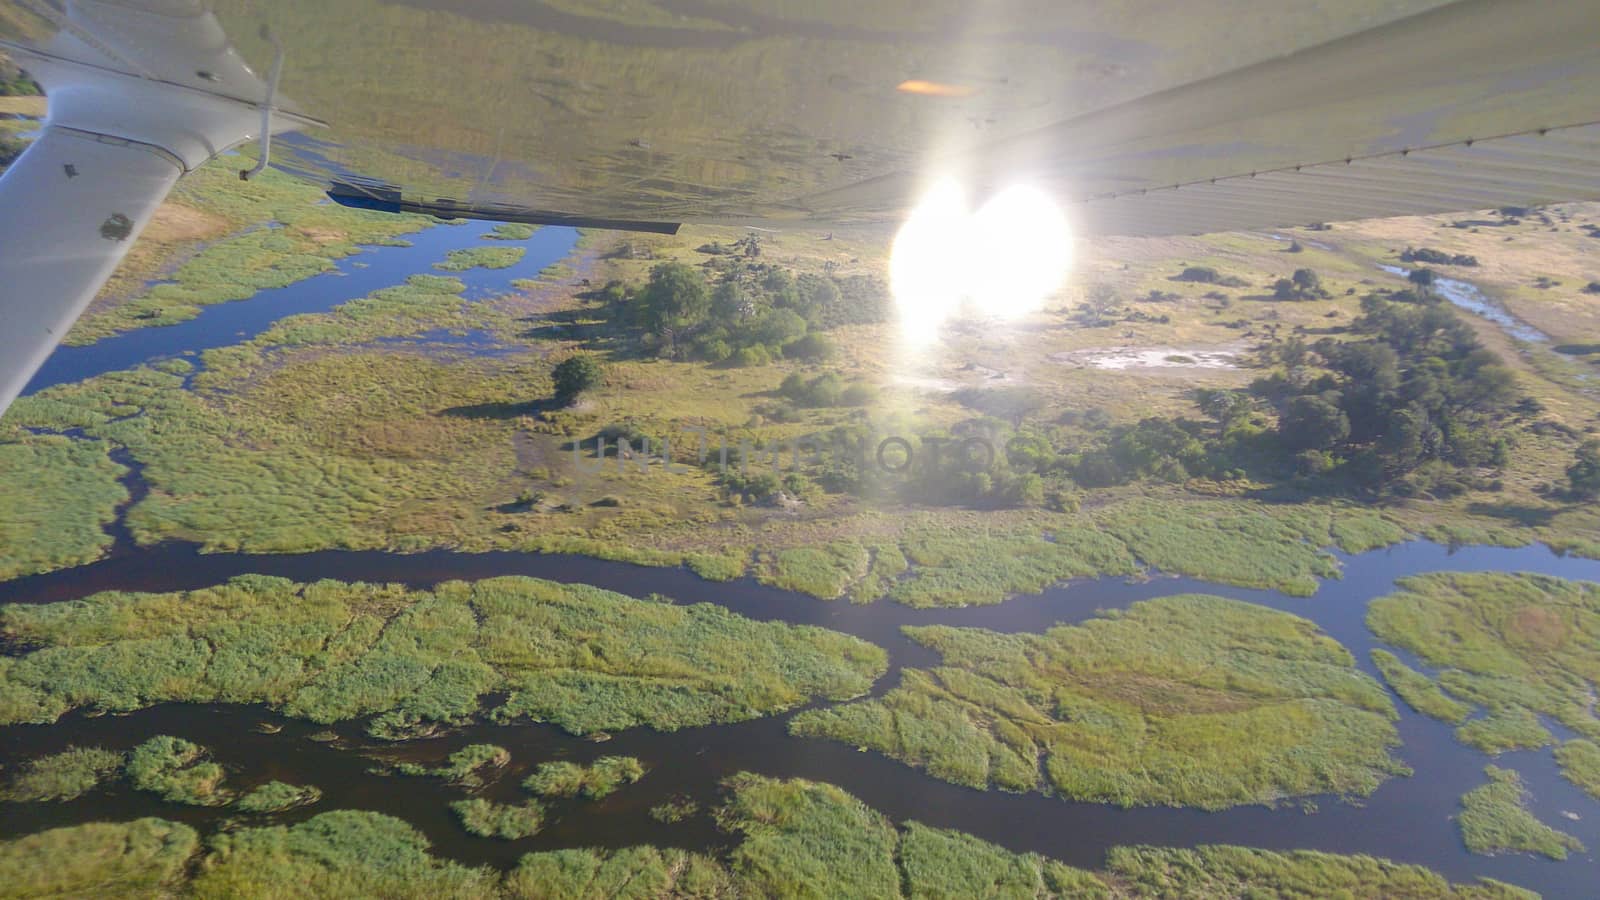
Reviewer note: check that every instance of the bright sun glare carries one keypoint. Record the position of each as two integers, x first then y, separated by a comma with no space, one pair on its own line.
1009,256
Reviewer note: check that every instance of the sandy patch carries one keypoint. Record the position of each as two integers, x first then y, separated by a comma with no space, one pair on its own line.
1124,358
176,222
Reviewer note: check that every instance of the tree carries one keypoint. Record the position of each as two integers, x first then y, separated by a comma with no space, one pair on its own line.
675,299
1098,302
576,374
1584,473
1312,422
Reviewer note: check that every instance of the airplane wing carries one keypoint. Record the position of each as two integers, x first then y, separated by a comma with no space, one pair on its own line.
1138,117
1146,117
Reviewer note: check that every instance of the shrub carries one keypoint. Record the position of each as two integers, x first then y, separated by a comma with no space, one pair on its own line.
813,347
754,355
576,374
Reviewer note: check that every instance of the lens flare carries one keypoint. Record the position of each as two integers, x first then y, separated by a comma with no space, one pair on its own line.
1023,246
1006,259
928,263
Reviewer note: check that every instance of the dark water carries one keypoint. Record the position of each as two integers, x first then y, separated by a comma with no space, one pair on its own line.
225,324
1407,819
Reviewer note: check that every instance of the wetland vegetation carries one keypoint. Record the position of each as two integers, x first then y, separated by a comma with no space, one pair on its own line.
1516,646
585,659
791,839
1495,819
595,781
1181,701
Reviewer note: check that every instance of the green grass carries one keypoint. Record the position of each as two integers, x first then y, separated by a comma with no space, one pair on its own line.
787,838
1214,871
1495,819
336,854
597,780
956,567
506,821
276,796
586,659
511,231
939,863
142,858
632,872
481,257
472,766
1580,763
57,494
1277,547
1419,691
800,838
674,809
1505,728
1186,701
1517,645
424,302
819,571
62,776
177,770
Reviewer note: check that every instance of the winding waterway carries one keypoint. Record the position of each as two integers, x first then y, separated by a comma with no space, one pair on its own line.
225,324
1406,819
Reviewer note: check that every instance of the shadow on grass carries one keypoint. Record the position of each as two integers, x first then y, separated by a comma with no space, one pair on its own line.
503,410
1577,349
1531,516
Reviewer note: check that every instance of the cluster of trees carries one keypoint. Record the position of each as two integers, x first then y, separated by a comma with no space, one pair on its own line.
1437,257
1415,405
1410,406
1208,275
1304,284
750,313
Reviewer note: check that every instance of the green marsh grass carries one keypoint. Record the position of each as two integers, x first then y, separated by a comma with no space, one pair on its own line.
63,776
506,821
481,258
1516,645
1495,819
277,796
1186,701
1580,764
177,770
789,839
57,494
595,781
583,658
1419,691
141,858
